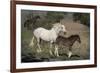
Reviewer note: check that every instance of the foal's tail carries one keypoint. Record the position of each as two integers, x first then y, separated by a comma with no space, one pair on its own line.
31,42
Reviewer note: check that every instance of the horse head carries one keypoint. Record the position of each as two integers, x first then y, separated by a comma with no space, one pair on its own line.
75,38
59,28
78,39
63,29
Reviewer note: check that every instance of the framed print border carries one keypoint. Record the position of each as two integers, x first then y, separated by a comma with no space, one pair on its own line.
13,35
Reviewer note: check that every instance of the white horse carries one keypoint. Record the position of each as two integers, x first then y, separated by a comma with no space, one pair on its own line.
47,35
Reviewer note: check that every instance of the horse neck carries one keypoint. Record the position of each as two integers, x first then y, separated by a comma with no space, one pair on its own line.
73,39
55,30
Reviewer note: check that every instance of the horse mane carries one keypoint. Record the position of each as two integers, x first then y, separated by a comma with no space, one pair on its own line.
71,36
76,35
60,37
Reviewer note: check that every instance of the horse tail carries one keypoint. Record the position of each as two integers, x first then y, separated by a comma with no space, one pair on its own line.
31,42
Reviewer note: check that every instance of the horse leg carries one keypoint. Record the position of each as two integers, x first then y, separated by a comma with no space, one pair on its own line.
70,52
50,51
51,44
56,51
38,44
31,42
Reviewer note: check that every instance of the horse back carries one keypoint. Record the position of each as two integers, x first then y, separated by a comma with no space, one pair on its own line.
61,40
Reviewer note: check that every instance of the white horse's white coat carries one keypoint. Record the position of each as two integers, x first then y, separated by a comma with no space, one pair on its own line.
48,35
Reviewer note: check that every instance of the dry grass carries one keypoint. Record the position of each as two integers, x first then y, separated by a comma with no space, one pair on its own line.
84,33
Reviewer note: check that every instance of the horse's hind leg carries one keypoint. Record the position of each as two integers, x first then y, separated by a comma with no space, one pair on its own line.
51,44
51,48
38,44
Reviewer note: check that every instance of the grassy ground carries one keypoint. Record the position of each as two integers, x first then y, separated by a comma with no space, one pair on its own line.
80,51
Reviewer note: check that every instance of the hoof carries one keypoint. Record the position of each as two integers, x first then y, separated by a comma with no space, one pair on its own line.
50,52
38,51
57,55
69,54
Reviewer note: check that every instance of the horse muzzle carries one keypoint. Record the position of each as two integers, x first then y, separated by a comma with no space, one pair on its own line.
65,33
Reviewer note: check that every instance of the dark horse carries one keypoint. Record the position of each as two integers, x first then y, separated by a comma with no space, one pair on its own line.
30,22
66,42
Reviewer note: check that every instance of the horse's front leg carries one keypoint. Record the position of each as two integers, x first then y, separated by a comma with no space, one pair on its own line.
56,51
70,52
